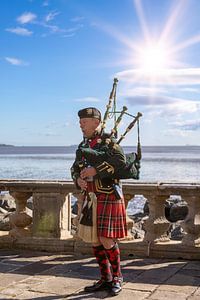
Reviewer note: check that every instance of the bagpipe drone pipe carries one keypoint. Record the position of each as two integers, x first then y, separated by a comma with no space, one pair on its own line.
108,143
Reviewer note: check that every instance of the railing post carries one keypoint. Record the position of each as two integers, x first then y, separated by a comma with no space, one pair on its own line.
129,222
20,219
191,224
156,225
51,215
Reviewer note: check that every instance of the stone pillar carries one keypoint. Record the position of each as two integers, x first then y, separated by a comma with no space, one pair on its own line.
51,215
191,224
20,219
156,225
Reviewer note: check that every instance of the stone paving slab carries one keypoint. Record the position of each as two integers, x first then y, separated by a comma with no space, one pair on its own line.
195,295
168,295
62,286
181,283
9,278
4,267
124,295
30,275
147,287
192,265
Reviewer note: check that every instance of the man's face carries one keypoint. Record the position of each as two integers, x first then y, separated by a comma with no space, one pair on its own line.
89,126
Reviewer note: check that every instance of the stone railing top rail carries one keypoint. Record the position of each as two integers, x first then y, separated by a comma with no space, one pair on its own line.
24,185
134,187
162,188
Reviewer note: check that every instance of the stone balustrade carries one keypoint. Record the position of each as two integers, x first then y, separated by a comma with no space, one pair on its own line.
49,227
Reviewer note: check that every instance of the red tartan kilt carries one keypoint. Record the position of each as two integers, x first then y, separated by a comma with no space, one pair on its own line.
111,216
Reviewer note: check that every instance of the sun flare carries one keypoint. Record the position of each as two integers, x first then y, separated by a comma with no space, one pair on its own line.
153,59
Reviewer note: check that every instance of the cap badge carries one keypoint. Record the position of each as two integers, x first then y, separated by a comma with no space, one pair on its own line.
89,111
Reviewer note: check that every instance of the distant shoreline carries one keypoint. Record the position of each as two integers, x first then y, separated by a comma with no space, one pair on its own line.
15,150
74,146
5,145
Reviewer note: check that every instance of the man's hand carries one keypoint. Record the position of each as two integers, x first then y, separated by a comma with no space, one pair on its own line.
82,183
88,172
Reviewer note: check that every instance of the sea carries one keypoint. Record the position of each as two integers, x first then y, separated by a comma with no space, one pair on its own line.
158,164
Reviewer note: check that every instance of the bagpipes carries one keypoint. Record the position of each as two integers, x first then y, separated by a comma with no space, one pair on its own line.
109,141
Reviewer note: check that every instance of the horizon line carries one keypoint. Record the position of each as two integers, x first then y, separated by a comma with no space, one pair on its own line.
75,145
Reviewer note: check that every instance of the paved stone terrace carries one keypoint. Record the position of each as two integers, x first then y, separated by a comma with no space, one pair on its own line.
44,276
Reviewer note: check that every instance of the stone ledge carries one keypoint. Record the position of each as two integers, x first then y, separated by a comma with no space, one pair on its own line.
134,248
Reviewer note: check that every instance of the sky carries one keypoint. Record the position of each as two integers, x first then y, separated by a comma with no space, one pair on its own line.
59,56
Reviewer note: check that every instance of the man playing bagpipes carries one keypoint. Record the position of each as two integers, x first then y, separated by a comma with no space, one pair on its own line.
96,171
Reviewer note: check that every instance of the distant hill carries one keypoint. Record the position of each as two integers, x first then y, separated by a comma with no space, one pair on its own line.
4,145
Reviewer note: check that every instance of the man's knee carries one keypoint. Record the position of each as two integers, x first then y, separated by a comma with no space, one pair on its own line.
107,242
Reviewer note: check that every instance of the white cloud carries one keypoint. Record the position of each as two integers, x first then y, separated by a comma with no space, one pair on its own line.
186,76
189,90
69,32
26,17
51,16
147,121
69,35
74,29
161,100
165,106
142,90
87,99
53,28
20,31
179,108
173,132
149,100
188,125
15,61
29,17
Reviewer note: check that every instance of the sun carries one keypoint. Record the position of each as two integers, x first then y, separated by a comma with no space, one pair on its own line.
153,59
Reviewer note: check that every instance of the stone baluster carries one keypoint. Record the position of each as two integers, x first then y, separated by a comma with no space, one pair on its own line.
20,219
52,215
75,220
156,225
191,224
129,222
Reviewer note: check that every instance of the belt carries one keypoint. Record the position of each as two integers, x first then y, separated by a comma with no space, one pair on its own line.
96,186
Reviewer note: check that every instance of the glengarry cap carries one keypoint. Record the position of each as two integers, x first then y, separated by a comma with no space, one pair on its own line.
89,112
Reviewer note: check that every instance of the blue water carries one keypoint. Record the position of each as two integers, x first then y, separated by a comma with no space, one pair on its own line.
159,163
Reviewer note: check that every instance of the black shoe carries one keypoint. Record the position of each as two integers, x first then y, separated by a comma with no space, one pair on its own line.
116,287
100,285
